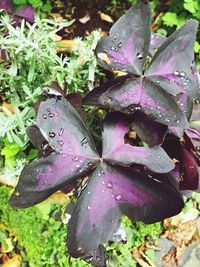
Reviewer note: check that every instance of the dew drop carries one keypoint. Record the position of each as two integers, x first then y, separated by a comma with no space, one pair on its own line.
61,142
167,120
52,134
75,158
177,121
89,207
158,82
69,149
48,109
84,141
44,116
103,182
159,157
90,164
112,48
182,74
88,192
176,73
118,197
120,45
139,56
77,165
80,249
61,131
115,37
64,155
51,115
124,69
109,185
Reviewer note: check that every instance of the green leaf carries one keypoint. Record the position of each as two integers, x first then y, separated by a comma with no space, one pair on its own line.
195,123
151,254
32,154
170,19
190,6
19,2
10,149
197,47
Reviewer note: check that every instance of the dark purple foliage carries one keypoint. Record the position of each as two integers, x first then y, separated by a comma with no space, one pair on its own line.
153,90
117,184
148,151
25,12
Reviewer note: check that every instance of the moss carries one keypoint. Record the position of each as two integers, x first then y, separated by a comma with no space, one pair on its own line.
41,239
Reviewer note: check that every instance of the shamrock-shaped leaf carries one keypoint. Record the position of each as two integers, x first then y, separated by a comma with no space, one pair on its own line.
73,153
168,75
116,186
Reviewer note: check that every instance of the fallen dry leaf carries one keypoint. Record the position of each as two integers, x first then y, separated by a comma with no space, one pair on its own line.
15,261
141,258
59,198
8,106
105,17
85,19
66,46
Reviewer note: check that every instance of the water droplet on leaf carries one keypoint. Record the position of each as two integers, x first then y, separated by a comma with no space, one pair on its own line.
109,185
52,134
51,115
139,56
118,197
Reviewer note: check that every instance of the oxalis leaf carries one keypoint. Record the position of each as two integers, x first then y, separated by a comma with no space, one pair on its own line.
168,74
116,185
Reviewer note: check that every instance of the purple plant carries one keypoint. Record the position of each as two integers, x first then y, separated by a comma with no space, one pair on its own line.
148,154
25,12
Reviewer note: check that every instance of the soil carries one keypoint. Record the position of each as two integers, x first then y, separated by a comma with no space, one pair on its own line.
78,9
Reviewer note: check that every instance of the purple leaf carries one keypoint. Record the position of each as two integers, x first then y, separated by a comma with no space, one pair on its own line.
64,129
136,94
7,5
189,170
183,153
196,74
127,46
116,151
38,140
44,176
110,193
97,257
156,41
26,12
185,104
74,154
151,132
171,65
93,96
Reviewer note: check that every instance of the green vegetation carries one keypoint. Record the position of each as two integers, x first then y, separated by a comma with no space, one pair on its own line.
137,234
